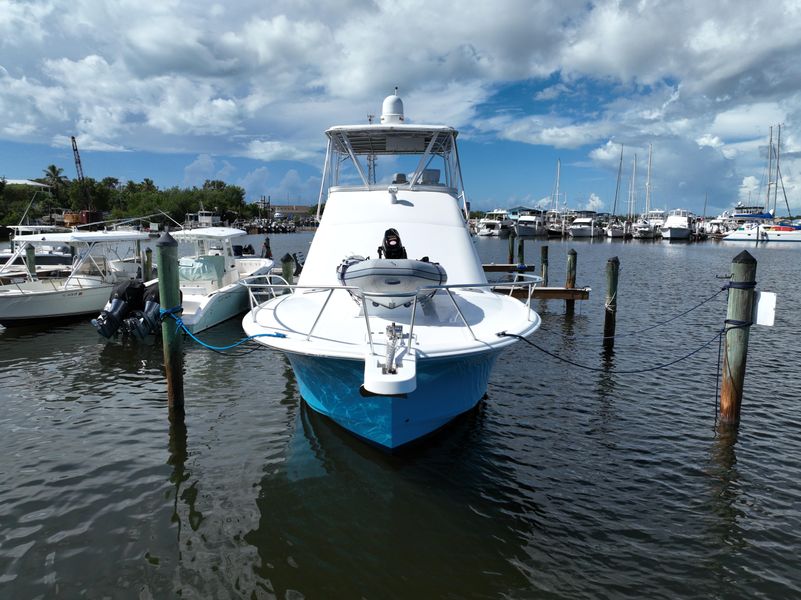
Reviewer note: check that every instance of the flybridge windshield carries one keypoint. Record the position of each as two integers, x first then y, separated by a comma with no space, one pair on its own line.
376,156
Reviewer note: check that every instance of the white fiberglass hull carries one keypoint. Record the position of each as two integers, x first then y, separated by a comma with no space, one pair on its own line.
584,232
763,234
675,233
38,301
530,230
202,311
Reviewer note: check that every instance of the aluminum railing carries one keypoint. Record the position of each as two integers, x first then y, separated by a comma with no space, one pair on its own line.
257,287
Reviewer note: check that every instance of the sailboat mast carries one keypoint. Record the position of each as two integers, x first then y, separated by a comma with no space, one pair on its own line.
648,182
770,167
778,151
633,188
556,196
617,185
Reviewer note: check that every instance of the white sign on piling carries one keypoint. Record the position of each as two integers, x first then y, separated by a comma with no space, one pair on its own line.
764,308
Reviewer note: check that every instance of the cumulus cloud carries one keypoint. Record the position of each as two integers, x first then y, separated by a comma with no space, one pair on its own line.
594,203
702,81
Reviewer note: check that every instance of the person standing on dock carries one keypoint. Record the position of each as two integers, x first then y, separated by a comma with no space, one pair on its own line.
266,251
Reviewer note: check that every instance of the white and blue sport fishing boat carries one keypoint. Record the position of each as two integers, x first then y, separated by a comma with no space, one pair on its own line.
392,329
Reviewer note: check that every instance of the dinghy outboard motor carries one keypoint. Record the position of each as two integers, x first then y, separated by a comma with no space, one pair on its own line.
143,322
125,296
391,247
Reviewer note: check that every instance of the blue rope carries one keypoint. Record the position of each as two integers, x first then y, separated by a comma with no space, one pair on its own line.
174,312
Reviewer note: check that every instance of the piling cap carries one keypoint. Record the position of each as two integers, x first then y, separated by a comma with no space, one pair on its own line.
166,240
287,258
744,257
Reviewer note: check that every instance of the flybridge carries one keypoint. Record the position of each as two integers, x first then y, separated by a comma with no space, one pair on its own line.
421,156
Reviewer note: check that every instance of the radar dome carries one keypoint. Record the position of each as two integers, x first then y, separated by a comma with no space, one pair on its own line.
392,109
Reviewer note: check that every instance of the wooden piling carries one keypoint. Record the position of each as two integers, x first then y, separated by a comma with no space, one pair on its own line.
511,247
288,268
570,281
30,260
610,305
738,326
544,265
170,297
521,251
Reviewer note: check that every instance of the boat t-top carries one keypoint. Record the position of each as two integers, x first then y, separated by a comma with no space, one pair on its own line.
101,259
392,329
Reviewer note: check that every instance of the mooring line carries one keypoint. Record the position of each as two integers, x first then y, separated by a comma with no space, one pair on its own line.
638,332
729,325
174,313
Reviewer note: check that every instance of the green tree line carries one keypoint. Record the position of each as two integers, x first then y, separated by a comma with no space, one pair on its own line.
120,200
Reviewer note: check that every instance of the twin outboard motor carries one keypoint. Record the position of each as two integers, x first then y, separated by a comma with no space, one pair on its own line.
142,322
391,247
124,296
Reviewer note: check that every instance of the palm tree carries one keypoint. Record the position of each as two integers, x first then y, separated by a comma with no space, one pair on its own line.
55,178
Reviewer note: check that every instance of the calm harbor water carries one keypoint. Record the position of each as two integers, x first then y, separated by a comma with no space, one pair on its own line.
564,483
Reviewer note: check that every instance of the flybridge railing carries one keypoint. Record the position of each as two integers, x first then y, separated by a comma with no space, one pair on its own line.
256,286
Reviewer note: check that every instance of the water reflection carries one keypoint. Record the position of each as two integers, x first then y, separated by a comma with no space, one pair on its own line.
343,519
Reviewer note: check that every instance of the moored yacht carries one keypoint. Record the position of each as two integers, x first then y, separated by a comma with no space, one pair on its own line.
585,226
530,224
392,329
495,223
678,225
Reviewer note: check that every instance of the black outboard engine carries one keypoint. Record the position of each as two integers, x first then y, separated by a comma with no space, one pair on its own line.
125,296
143,322
391,247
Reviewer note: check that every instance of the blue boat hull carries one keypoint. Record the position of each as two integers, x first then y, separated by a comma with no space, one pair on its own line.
446,388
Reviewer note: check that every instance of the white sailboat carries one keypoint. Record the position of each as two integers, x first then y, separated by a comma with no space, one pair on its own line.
394,347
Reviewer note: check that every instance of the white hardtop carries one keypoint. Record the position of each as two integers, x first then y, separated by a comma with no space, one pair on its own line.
207,233
82,237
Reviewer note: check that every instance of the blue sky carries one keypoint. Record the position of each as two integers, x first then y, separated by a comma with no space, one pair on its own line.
181,92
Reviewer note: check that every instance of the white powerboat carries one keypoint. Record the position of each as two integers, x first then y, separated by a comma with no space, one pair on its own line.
210,278
495,223
585,227
395,346
643,229
98,265
678,225
755,232
530,224
615,230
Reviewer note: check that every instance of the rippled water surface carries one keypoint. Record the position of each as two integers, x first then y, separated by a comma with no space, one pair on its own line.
563,483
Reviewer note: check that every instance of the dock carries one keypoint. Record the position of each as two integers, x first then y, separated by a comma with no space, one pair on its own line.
539,293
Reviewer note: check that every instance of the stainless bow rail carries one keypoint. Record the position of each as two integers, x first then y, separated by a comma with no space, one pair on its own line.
258,289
